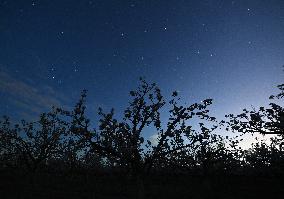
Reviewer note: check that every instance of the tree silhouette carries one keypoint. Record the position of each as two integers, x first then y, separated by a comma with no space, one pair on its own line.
33,143
8,151
262,156
187,142
122,142
264,120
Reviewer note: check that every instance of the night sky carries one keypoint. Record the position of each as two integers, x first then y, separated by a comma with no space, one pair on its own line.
231,51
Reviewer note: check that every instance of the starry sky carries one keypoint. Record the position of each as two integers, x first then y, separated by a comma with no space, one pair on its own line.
231,51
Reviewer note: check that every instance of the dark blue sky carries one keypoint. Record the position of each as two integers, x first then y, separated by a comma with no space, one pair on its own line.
231,51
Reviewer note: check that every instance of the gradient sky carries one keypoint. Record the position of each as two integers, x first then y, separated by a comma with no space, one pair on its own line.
231,51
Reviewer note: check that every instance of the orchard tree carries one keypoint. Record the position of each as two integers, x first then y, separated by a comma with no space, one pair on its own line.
123,142
265,121
210,153
8,151
34,143
262,120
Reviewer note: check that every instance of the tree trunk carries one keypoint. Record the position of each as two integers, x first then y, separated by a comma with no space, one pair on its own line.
140,187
